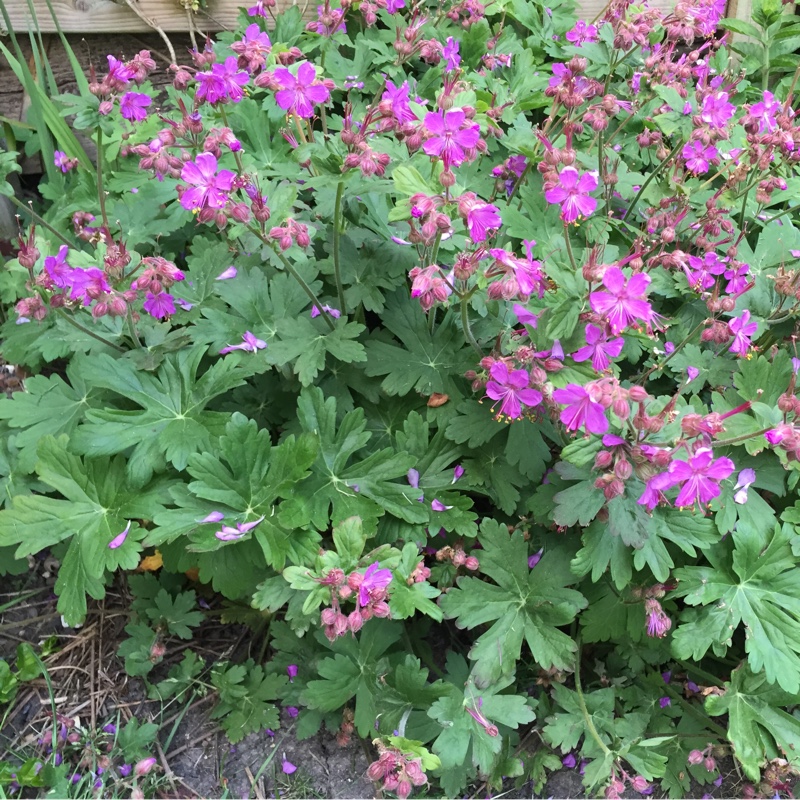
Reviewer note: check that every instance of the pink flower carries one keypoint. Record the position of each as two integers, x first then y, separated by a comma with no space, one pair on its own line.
581,410
133,106
742,329
746,478
624,302
159,306
298,95
598,348
210,187
223,83
87,284
63,161
482,218
764,111
524,316
572,193
700,476
510,389
452,136
249,344
737,278
57,267
397,97
521,278
716,110
287,767
291,671
582,33
374,580
119,74
698,157
701,272
451,56
429,286
654,489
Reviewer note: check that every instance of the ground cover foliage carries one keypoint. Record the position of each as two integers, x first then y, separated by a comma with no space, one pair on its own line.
459,342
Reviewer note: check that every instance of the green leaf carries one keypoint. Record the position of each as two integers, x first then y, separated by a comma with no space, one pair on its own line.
578,505
98,503
424,363
753,582
758,727
177,613
524,604
563,319
172,422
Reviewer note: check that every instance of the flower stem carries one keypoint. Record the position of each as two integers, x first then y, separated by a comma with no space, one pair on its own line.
75,324
101,195
582,702
287,265
743,438
132,329
44,223
464,301
337,223
675,352
651,176
435,251
569,249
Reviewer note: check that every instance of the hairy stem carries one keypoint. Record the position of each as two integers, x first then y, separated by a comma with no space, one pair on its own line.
337,224
582,703
570,254
132,329
464,301
743,438
101,195
41,221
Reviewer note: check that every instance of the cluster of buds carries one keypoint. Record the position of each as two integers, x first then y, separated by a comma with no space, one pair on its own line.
367,160
707,425
258,203
429,286
119,75
399,772
467,13
785,436
458,557
158,274
619,782
703,757
569,86
370,596
615,464
432,222
409,40
346,728
291,231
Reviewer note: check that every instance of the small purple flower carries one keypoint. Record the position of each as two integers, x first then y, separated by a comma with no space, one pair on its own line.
581,33
398,99
413,478
133,106
765,112
701,272
63,161
458,473
572,194
291,671
224,82
691,373
298,95
251,343
742,329
110,728
230,534
524,316
333,312
664,702
746,478
438,505
599,348
534,560
451,56
624,301
511,390
116,542
716,110
374,579
569,761
159,306
125,770
292,711
581,410
453,136
227,274
698,157
214,516
335,25
208,188
288,767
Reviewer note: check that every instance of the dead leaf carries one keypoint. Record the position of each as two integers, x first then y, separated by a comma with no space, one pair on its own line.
436,400
151,563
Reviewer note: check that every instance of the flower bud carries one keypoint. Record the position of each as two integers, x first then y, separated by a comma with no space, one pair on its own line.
603,459
472,563
695,757
144,766
709,763
355,621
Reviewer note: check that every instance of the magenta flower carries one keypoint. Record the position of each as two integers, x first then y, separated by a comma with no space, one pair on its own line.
87,284
511,390
700,476
120,538
291,671
57,267
159,306
210,188
701,272
133,106
63,161
624,302
716,110
572,194
397,98
535,558
581,410
737,278
582,33
451,56
259,9
374,579
524,316
658,623
599,348
334,312
698,157
742,329
214,516
393,6
482,218
230,534
450,138
287,767
298,95
119,73
764,111
458,473
223,83
438,505
250,344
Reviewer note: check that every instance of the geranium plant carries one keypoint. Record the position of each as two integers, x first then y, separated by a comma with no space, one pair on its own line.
460,338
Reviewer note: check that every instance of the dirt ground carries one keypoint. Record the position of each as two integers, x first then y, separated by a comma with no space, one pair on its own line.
90,682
